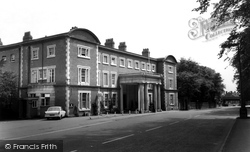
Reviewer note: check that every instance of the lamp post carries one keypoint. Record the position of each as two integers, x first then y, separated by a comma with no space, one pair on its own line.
243,109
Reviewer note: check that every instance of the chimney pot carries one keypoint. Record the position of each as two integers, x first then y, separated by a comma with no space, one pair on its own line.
146,52
110,43
27,36
123,46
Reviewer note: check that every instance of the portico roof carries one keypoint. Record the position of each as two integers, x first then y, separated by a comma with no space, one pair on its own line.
140,77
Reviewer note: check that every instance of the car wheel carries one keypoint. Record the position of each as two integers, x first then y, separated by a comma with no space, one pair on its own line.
60,117
47,118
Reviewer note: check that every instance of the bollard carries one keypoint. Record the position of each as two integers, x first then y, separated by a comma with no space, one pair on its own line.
89,116
115,113
129,112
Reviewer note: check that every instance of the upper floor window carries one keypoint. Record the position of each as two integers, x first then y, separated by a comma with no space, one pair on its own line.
105,59
51,74
42,74
34,53
83,75
143,66
170,83
98,77
105,78
83,51
113,79
130,63
137,65
4,58
12,58
99,57
34,76
170,69
51,51
122,62
148,67
113,60
153,67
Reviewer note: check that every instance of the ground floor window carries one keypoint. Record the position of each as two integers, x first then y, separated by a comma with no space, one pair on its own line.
114,99
84,100
34,103
171,99
106,99
45,99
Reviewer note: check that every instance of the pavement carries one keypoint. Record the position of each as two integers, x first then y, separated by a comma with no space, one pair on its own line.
238,139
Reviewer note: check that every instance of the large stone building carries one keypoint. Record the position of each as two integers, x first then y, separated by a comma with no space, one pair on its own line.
73,69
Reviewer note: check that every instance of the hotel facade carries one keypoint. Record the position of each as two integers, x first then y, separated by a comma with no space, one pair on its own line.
74,70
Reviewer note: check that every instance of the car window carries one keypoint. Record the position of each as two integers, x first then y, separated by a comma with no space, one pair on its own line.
54,109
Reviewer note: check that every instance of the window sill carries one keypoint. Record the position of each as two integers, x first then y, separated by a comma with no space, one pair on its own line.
84,57
122,66
52,56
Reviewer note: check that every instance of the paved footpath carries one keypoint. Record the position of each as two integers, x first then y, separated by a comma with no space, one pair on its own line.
239,137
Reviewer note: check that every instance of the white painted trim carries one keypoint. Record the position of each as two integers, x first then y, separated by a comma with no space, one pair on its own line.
51,46
83,91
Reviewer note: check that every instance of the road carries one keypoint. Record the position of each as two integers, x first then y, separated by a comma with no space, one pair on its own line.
195,130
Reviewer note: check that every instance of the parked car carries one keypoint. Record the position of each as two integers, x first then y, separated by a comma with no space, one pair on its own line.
55,112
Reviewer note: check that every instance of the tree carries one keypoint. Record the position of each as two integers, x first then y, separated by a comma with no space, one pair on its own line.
8,93
198,83
238,41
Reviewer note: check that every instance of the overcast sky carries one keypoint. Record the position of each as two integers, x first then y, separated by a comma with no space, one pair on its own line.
160,25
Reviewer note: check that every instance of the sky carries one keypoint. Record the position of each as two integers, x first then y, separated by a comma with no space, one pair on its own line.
159,25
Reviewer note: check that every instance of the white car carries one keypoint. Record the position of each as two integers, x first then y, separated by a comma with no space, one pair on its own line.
55,112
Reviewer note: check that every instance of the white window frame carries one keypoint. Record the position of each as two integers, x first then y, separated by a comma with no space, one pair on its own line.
4,58
48,51
46,95
99,57
143,66
79,70
32,78
171,94
153,67
98,77
103,77
137,68
79,49
103,61
172,80
44,73
170,69
115,61
33,50
113,73
116,100
106,102
12,58
51,76
148,67
130,61
120,58
88,98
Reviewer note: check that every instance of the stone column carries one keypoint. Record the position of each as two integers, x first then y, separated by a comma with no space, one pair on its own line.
121,98
146,96
142,98
155,97
159,97
139,97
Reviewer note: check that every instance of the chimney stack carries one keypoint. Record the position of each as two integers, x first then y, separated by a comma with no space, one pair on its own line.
146,52
27,36
1,43
122,46
110,43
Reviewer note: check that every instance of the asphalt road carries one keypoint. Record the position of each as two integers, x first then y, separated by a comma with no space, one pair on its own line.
175,131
